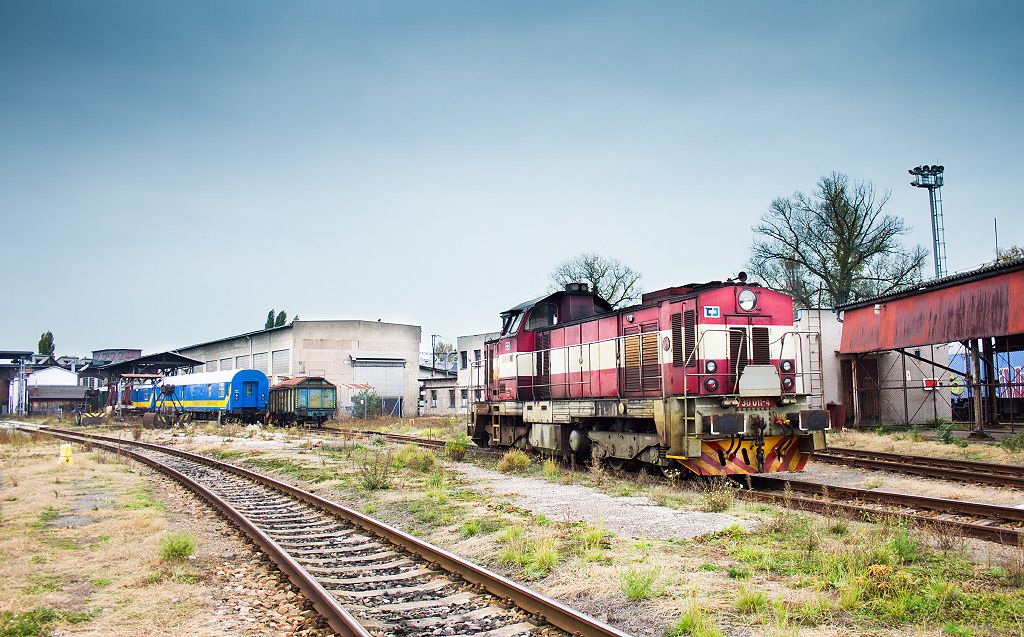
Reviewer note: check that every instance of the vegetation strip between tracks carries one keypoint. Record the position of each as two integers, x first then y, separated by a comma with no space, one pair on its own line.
554,612
942,468
852,507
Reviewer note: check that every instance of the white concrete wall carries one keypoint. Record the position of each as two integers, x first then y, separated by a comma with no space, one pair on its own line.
473,376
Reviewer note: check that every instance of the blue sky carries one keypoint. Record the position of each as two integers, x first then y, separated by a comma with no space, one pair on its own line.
173,170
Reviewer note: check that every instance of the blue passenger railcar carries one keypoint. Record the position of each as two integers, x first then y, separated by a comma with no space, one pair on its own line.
233,394
144,397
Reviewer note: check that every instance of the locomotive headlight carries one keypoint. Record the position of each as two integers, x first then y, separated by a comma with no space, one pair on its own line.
711,384
747,300
787,383
711,367
787,367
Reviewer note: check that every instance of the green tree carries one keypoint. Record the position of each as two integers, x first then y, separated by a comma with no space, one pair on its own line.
608,278
444,355
366,403
46,345
270,320
834,245
281,318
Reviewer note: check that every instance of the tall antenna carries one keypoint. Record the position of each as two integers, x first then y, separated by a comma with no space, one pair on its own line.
930,177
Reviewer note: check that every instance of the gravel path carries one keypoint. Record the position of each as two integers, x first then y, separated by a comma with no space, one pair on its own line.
630,516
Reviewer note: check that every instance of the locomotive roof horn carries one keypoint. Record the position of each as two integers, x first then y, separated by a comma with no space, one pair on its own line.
741,278
577,287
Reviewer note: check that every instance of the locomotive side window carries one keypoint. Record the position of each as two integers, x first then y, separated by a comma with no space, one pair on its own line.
543,315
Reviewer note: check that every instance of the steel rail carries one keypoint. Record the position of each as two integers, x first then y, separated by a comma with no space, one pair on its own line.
906,506
337,617
554,612
942,468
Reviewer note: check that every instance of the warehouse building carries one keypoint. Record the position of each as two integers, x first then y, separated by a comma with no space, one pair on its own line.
346,353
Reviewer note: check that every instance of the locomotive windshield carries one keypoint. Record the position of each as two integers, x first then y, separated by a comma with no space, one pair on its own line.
510,322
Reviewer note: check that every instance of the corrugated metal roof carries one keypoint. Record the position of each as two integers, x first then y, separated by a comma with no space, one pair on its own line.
985,271
57,392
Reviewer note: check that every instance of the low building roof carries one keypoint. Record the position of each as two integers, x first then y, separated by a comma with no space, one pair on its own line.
57,392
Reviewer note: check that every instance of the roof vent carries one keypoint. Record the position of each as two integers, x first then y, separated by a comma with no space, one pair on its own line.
577,287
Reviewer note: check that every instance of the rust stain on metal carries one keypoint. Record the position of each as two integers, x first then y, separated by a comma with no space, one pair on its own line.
989,307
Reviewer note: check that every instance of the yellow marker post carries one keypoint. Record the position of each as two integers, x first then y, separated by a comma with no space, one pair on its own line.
65,454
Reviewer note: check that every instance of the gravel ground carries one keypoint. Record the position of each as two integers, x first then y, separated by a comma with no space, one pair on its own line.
627,515
917,485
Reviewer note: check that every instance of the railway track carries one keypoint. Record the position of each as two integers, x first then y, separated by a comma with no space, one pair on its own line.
942,468
363,576
994,523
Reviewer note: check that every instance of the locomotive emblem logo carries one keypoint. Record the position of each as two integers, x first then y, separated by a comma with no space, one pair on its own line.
711,311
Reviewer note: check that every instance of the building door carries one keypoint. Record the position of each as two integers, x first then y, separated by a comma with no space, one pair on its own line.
867,390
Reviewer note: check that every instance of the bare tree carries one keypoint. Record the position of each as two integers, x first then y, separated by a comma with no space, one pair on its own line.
834,245
1013,253
608,278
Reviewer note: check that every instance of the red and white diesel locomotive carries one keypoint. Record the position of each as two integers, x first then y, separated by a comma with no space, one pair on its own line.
704,377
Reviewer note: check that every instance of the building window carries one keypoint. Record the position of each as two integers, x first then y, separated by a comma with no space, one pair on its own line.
241,362
476,355
225,363
279,361
463,355
259,361
465,397
211,366
479,395
433,399
451,398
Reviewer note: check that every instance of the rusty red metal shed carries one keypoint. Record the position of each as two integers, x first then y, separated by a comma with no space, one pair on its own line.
987,302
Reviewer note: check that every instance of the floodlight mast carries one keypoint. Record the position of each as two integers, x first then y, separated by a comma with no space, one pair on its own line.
931,177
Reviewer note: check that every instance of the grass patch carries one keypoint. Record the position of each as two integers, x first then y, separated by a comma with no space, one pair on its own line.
751,602
46,516
456,446
38,620
514,461
536,556
883,574
550,469
640,583
141,498
416,458
695,622
375,470
480,526
176,545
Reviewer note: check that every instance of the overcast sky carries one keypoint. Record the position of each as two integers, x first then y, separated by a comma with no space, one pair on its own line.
172,170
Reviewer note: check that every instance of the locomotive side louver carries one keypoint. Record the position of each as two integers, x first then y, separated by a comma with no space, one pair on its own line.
677,340
542,384
762,355
737,353
690,341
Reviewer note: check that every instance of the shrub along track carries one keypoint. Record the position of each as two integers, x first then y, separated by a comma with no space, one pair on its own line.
1002,475
363,576
994,523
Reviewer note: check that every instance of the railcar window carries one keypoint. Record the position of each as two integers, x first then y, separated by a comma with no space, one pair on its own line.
543,315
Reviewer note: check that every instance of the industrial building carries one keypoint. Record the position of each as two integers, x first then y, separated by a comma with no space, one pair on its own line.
349,354
874,387
446,394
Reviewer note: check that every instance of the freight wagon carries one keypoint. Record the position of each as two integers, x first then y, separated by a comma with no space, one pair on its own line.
305,399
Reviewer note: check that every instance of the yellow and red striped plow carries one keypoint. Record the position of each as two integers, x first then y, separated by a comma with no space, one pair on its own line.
781,453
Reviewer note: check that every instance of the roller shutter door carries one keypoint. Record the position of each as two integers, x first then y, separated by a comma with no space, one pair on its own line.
241,362
225,363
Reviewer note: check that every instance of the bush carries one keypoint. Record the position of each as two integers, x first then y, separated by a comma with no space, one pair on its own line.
366,404
1014,443
375,470
640,583
456,446
750,602
177,545
550,469
717,495
416,458
514,461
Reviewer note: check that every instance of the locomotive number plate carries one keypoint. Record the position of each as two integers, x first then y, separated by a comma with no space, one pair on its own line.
755,403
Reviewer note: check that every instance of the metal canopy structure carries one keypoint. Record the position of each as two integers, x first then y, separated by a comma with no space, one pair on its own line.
121,375
982,310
